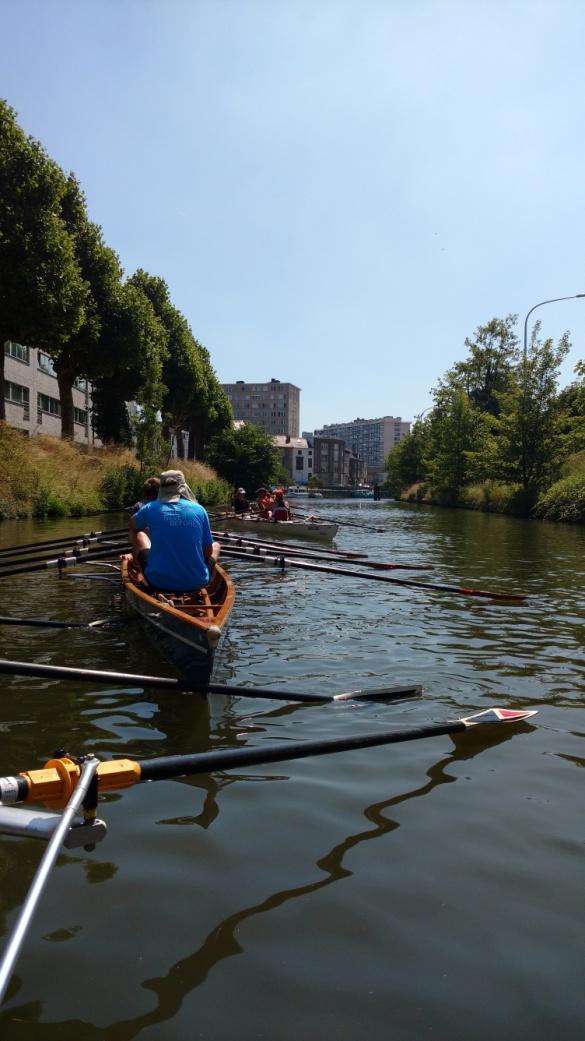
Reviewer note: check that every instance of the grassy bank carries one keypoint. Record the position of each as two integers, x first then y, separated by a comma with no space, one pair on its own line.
563,501
47,477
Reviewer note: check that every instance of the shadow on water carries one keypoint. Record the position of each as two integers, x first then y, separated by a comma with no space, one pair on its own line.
189,973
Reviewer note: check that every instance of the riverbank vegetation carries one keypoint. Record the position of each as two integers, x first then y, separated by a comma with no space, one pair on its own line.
48,477
500,436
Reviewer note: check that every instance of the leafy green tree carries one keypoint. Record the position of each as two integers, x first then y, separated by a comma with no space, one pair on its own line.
405,463
244,456
43,295
455,429
132,332
211,414
571,414
488,371
91,351
528,434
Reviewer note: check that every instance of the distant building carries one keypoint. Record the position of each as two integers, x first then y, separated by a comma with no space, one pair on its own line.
370,439
274,406
31,395
296,455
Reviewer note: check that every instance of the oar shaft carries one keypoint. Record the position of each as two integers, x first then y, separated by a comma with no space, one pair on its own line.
20,668
64,539
62,562
283,562
42,874
80,551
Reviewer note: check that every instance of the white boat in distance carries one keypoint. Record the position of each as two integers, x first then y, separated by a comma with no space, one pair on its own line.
324,531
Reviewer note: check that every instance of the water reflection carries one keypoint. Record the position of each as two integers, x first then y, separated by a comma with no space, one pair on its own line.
221,943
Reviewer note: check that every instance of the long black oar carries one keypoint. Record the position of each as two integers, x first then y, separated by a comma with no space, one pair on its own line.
47,623
7,550
31,556
64,561
283,562
374,565
79,551
342,523
21,668
230,536
52,782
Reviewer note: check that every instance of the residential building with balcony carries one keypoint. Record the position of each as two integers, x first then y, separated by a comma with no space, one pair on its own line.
274,406
31,395
369,439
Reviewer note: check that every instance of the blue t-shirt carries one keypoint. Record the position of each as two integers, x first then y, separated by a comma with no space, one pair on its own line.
178,532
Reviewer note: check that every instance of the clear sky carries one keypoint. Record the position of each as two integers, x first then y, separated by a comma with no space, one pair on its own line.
337,192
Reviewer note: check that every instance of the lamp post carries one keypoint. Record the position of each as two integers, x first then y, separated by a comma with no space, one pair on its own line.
574,296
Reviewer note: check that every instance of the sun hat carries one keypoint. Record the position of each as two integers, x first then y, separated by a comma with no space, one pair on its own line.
173,487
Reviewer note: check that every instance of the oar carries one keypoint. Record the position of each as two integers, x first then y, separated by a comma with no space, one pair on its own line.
229,536
52,782
61,562
81,551
127,679
46,623
60,541
283,562
342,523
26,556
374,565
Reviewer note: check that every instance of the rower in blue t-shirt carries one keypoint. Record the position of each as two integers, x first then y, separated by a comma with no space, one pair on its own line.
172,539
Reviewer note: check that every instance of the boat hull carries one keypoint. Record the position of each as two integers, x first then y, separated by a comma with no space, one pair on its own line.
189,631
322,531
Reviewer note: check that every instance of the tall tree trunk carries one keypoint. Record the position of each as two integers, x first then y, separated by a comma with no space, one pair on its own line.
65,381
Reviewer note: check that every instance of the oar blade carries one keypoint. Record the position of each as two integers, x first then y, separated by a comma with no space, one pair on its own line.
498,715
381,694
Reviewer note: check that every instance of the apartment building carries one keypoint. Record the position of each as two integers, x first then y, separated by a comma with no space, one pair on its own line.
370,439
274,406
31,395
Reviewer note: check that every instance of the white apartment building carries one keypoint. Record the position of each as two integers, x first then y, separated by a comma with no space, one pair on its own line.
370,439
31,395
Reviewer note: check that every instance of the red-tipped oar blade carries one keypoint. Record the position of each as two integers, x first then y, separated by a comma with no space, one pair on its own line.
498,715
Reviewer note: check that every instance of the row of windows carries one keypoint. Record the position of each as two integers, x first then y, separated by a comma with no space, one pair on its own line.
22,353
19,395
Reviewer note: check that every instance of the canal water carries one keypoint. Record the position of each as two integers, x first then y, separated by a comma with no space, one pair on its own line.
424,890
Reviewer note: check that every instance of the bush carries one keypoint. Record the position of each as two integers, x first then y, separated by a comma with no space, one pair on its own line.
564,501
121,486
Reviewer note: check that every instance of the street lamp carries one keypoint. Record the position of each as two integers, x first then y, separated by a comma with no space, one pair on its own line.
575,296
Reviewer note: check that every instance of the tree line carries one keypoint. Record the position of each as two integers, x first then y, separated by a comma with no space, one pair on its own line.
500,435
63,290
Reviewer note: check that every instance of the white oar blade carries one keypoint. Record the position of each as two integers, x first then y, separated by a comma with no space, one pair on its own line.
498,715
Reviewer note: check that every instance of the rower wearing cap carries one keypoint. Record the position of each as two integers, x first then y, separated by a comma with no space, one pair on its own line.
240,503
172,539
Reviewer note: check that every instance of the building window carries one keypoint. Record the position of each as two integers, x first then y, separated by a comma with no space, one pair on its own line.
80,416
16,350
16,394
45,364
80,384
47,404
299,463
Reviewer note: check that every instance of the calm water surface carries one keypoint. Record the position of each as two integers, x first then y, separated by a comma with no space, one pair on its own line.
431,889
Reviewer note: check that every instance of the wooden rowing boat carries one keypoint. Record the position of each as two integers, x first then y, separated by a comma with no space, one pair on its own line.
324,531
187,626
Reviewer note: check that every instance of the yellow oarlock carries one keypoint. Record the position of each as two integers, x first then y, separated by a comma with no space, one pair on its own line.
54,783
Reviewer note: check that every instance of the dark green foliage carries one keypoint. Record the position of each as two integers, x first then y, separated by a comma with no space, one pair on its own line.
245,456
121,486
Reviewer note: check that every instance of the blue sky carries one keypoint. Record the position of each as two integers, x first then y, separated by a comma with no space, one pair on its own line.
337,193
